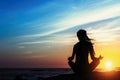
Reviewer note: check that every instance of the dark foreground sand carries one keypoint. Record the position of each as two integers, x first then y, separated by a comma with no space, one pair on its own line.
113,75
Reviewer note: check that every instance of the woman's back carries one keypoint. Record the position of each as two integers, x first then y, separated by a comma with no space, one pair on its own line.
82,49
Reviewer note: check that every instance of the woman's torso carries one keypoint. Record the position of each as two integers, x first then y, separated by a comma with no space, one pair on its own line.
82,50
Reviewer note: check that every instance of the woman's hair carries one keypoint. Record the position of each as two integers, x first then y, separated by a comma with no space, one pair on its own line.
82,35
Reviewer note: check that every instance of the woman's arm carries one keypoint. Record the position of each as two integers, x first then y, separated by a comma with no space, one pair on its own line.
73,54
92,53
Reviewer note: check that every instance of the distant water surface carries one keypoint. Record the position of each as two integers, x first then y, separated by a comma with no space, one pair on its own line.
10,73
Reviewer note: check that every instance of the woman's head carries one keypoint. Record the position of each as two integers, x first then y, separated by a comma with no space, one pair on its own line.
82,35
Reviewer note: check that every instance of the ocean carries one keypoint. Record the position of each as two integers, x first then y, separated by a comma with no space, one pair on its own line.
35,73
32,73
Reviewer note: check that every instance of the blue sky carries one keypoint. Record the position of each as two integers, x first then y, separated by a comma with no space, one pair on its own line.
33,30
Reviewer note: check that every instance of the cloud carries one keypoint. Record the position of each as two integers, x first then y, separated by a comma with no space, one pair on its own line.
21,47
28,52
66,23
87,19
102,31
52,41
107,31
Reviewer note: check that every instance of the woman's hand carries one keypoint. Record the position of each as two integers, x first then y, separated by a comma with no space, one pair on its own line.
100,57
70,58
96,58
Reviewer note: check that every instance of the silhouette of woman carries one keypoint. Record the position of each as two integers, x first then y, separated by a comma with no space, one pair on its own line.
81,50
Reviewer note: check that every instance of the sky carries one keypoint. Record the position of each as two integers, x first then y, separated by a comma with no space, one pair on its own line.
42,33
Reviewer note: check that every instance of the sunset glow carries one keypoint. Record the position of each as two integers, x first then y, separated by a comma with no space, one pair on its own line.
108,65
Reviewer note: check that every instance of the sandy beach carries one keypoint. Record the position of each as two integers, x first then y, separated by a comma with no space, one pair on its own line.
112,75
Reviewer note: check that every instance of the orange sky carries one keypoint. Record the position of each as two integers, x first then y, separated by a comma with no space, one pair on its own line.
110,52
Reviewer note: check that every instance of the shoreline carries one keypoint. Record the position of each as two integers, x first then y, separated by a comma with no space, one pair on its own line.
111,75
